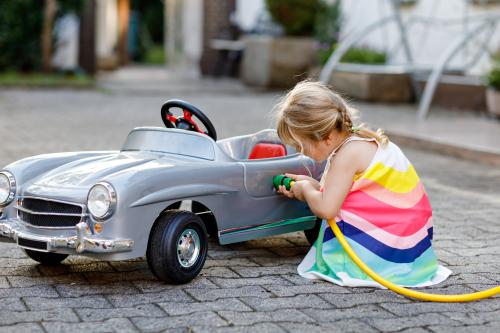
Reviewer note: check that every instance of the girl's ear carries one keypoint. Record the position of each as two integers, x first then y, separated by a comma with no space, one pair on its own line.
330,137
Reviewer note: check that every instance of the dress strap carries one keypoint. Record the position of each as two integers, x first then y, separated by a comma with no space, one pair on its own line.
348,139
332,154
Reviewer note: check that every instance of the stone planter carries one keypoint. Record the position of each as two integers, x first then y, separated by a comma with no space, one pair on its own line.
493,101
277,62
372,83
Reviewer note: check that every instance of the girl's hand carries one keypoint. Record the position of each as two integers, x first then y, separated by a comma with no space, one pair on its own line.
313,181
297,190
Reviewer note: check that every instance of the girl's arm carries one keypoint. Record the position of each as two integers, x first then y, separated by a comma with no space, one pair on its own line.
338,182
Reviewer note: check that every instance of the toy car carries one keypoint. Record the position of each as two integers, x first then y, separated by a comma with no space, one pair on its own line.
160,196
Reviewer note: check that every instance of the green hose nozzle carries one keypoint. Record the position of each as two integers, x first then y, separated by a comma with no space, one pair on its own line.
283,180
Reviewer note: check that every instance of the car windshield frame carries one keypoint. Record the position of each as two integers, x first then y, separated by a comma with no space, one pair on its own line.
170,141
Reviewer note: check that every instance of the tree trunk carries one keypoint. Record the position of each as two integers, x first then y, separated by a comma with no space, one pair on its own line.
48,22
123,23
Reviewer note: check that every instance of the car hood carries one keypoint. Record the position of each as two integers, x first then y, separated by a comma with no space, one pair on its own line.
88,171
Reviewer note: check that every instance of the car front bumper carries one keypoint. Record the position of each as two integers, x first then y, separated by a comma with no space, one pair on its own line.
80,243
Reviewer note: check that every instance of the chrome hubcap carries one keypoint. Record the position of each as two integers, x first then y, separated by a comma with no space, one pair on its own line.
188,248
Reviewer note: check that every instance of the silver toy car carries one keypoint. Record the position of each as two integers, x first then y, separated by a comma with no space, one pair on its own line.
161,196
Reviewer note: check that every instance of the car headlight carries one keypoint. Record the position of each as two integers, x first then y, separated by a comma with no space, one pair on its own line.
7,188
101,201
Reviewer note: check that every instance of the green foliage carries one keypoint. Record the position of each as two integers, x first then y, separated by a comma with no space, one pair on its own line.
151,16
16,79
493,78
355,55
328,22
20,28
155,55
297,17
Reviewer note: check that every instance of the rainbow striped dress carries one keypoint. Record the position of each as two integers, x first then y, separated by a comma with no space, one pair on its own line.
387,219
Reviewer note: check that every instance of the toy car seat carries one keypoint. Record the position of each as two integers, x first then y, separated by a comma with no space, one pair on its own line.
267,150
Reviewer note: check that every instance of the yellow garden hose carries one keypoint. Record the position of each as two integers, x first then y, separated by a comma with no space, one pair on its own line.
405,291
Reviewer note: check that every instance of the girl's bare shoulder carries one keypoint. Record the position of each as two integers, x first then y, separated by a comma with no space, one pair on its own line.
358,153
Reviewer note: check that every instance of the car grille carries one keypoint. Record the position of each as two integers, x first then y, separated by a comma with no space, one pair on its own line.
44,213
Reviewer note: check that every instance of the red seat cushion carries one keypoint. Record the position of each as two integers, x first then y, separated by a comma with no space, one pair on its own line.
267,150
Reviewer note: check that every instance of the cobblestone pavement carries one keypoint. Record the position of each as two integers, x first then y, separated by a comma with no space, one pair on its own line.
248,287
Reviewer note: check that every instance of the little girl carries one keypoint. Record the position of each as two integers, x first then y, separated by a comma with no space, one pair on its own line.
369,187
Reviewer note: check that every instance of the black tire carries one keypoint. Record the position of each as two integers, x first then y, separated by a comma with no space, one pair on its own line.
312,234
46,258
162,253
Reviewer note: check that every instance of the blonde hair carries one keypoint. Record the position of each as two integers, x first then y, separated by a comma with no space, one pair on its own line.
311,110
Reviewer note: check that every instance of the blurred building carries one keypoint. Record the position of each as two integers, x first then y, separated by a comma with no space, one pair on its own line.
199,21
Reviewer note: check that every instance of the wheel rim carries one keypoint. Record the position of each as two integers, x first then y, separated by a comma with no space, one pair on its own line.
188,248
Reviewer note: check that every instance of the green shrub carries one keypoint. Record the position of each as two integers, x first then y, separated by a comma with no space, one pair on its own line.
355,55
20,28
493,78
328,22
297,17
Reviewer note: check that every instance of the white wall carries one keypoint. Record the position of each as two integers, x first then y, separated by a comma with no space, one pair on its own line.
192,26
427,42
247,12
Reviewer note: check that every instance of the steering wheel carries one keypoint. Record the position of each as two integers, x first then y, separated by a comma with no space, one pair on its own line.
186,122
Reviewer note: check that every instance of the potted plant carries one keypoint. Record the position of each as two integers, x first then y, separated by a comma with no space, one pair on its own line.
493,91
280,61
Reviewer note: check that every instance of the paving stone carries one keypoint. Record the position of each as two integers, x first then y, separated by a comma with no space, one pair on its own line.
15,262
12,304
241,282
145,310
172,295
27,281
298,280
486,328
45,291
324,287
474,318
229,262
360,312
397,324
11,251
130,265
209,319
182,308
20,271
263,271
115,277
92,267
4,283
23,327
218,272
214,294
156,286
276,303
291,251
278,261
111,325
261,328
96,289
250,318
12,317
340,326
44,303
408,310
354,299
